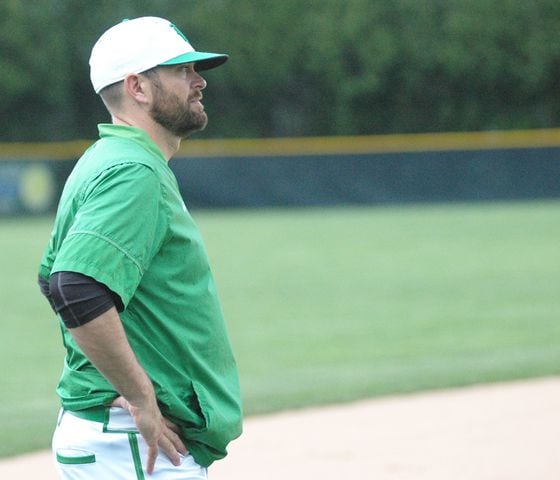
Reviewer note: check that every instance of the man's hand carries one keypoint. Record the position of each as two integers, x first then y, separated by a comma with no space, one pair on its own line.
158,432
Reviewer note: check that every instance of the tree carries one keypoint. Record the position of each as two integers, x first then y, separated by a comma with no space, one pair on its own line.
320,67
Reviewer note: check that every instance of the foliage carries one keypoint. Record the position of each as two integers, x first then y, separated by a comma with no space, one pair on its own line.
319,67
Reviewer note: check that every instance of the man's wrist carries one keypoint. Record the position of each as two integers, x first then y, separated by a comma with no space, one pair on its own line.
142,397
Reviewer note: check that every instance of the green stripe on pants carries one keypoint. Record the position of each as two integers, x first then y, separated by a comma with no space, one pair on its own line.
136,455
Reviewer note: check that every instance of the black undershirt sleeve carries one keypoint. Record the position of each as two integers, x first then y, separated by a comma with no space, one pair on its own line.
77,298
46,290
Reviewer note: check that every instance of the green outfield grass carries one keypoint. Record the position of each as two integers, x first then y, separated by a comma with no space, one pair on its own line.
330,305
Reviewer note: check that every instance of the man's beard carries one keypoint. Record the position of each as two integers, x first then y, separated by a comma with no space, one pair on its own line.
175,114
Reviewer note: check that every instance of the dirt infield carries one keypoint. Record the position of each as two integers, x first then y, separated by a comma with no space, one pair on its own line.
493,432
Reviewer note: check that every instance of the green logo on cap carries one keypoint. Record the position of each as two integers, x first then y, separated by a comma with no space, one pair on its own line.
179,32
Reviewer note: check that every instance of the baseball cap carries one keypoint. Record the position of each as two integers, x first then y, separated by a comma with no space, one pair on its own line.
134,46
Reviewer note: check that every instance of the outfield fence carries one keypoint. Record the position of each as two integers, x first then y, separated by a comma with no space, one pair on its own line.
497,165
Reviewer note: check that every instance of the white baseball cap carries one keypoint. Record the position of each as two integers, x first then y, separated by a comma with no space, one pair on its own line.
134,46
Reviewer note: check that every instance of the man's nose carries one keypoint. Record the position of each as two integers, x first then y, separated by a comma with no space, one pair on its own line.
199,81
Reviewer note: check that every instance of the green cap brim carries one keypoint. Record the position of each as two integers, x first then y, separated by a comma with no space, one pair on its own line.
203,60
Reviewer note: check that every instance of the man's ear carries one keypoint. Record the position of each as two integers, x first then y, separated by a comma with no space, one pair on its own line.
137,87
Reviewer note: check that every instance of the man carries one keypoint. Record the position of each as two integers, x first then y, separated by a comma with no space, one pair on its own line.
149,371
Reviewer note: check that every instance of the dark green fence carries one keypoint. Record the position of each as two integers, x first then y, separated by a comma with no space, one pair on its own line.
324,172
370,179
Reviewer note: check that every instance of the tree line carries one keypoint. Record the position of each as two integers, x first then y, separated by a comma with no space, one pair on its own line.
300,68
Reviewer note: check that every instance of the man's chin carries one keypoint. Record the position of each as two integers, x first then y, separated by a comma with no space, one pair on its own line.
197,123
195,128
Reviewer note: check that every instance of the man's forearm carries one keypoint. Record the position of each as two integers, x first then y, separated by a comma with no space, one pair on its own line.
103,341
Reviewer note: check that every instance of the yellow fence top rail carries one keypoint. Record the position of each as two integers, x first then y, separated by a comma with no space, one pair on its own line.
241,147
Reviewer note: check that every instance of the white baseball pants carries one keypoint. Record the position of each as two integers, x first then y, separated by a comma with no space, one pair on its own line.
92,450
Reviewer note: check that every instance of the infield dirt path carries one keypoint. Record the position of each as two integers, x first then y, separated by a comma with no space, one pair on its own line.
505,431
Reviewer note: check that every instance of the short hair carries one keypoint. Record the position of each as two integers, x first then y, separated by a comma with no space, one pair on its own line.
112,95
152,74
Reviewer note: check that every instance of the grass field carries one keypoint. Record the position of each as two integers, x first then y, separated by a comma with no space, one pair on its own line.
330,305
